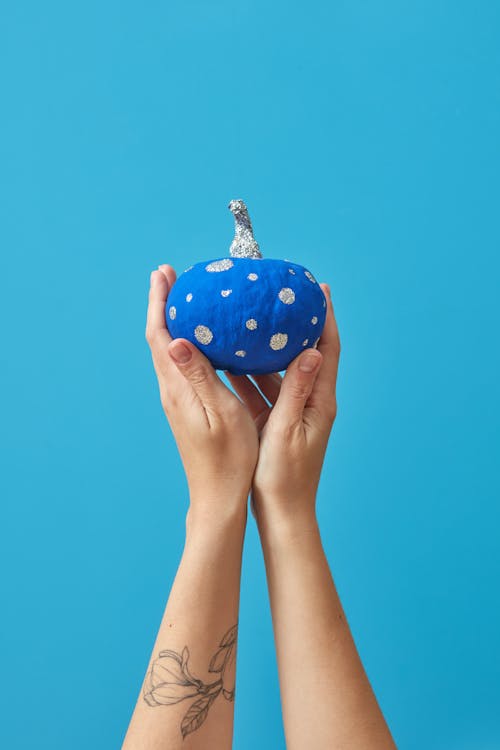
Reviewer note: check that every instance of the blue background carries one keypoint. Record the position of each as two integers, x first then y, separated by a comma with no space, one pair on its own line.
364,138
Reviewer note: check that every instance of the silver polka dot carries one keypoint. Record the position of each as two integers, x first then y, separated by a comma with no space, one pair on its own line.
252,276
241,353
314,320
172,313
251,324
310,276
203,334
220,265
316,343
278,341
324,303
287,295
305,342
226,292
290,270
189,297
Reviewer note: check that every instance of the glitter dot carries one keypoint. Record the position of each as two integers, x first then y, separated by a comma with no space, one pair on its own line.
316,343
305,342
172,313
314,320
251,324
310,276
220,265
290,270
278,341
241,353
252,276
226,292
189,297
324,303
287,295
203,334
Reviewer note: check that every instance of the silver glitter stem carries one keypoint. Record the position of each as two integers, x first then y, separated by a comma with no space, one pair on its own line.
244,244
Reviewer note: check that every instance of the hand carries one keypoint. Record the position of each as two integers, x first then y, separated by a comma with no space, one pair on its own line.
215,434
294,416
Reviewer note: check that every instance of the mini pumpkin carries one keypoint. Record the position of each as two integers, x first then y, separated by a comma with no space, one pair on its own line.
246,313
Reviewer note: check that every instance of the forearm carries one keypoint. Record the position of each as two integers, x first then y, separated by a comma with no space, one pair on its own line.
202,608
326,697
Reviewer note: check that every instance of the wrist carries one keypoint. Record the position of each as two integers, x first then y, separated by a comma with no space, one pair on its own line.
290,541
215,541
210,515
282,521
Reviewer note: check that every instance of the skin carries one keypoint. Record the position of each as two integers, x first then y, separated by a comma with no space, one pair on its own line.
275,433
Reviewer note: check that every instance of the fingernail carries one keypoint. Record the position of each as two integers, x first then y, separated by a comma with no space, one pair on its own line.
152,278
308,362
180,352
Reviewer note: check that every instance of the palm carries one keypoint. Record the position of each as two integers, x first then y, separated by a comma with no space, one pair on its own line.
293,416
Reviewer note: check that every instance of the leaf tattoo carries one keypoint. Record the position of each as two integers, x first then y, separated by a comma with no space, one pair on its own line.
230,636
218,661
197,714
170,681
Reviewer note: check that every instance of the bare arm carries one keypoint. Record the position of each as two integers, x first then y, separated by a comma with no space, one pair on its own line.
327,700
326,697
187,698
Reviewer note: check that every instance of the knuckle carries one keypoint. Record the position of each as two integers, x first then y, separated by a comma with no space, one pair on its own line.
336,341
169,399
197,374
298,391
330,409
151,336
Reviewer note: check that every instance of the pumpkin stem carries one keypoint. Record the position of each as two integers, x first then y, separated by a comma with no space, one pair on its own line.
244,244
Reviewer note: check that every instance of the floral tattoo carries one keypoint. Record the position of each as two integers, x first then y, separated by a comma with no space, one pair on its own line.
170,681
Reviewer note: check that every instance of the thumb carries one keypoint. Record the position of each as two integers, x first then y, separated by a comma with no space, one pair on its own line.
297,386
197,370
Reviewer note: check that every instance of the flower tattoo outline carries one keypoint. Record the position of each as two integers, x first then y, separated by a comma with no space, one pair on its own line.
170,681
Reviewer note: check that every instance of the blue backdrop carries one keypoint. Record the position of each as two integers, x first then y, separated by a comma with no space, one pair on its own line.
364,138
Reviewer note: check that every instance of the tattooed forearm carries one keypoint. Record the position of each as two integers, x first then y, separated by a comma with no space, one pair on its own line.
170,681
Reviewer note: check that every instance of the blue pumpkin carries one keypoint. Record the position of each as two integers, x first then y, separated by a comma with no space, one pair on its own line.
246,313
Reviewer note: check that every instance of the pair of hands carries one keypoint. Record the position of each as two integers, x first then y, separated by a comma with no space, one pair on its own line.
270,441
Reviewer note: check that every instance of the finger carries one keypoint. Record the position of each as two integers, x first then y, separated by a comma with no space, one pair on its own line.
250,395
329,346
169,273
157,333
296,387
269,385
198,371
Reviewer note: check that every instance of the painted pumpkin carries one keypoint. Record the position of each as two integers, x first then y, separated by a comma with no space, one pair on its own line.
246,313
